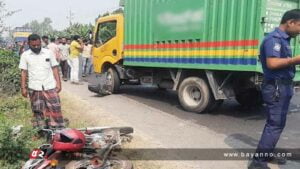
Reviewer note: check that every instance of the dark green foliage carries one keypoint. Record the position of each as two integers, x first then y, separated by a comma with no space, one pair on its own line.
9,73
14,148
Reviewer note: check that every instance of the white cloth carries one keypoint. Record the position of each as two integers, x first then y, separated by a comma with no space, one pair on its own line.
44,45
39,67
74,64
87,49
55,49
65,51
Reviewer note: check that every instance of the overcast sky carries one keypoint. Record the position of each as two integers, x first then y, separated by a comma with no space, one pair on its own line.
85,11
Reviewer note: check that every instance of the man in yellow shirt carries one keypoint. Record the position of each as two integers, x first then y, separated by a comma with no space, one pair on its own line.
75,52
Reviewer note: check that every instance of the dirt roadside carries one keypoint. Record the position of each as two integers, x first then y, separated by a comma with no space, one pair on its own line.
82,114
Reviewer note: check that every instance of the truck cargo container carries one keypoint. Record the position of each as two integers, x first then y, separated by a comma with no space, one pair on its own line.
206,50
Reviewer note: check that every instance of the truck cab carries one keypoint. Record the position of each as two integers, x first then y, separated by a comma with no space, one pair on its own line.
108,42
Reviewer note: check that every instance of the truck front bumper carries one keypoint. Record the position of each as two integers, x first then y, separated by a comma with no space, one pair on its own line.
94,83
98,83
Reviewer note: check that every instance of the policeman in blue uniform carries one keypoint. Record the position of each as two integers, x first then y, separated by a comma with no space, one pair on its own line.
277,88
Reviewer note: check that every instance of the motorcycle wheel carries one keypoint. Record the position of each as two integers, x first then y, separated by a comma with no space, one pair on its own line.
120,162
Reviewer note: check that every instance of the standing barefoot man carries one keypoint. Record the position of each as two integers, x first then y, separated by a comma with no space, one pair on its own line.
40,68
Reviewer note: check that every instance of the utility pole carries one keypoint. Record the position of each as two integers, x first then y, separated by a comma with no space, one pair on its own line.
70,17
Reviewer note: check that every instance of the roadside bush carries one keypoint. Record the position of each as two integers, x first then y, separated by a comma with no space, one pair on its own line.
15,146
9,73
14,111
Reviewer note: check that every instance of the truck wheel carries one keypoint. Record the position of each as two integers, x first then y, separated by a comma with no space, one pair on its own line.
249,98
114,80
194,94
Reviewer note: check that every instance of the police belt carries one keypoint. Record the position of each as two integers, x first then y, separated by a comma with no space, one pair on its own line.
279,81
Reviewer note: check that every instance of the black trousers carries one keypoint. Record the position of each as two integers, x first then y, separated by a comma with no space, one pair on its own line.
64,68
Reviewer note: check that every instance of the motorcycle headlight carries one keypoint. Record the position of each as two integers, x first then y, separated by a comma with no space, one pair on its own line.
54,163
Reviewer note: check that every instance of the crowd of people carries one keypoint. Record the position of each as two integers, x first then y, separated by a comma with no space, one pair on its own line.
74,56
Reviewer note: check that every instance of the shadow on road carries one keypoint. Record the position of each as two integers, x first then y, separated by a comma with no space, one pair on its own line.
229,118
167,101
245,144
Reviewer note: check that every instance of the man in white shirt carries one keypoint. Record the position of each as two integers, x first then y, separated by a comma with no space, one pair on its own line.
45,41
87,57
55,49
65,53
40,67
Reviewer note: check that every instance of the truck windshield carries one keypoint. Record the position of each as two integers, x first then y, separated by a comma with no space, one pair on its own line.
106,31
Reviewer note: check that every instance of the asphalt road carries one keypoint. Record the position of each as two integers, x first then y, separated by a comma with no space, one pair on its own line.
159,114
238,123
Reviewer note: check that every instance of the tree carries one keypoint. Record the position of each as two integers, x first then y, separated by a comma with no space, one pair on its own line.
118,11
4,13
45,28
99,16
41,28
82,30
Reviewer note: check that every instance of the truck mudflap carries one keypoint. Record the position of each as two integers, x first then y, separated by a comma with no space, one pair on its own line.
98,83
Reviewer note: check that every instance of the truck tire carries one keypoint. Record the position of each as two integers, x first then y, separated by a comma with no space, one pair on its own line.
194,94
114,80
249,98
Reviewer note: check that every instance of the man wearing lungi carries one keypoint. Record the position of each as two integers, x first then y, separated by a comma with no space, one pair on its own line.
40,67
